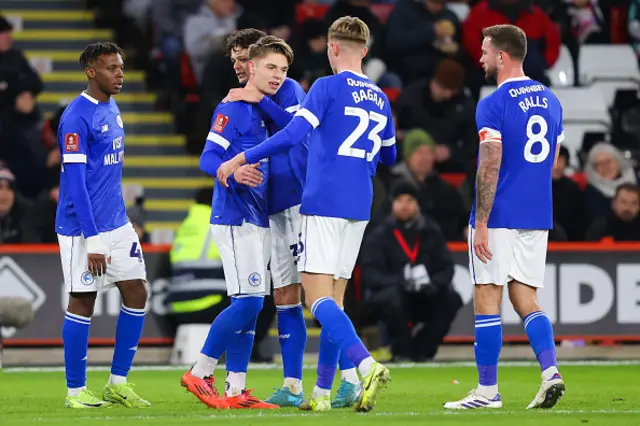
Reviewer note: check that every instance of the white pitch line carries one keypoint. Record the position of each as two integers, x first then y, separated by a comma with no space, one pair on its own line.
604,363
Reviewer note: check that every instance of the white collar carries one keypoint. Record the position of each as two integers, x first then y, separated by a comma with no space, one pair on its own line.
89,97
510,80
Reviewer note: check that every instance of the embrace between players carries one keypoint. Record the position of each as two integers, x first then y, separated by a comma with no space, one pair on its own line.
294,189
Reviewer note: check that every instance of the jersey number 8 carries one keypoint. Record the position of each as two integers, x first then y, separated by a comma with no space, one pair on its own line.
346,148
534,138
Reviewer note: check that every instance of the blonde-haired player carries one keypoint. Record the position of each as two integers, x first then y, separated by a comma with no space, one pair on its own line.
352,126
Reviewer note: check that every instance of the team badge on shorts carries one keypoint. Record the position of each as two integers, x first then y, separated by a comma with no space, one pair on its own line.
87,278
255,279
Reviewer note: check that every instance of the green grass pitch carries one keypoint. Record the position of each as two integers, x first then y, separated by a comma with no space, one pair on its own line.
597,394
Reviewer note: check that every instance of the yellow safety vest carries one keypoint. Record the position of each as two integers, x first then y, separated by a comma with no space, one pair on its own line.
193,247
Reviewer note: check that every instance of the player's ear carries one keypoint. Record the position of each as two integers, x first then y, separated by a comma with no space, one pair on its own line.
90,72
365,51
252,66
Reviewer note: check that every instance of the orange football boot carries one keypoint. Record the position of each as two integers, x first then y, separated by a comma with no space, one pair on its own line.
205,390
246,400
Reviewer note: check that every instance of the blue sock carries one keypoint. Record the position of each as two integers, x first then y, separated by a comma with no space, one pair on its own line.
239,349
540,332
345,362
292,332
340,329
487,348
234,318
75,336
128,332
327,360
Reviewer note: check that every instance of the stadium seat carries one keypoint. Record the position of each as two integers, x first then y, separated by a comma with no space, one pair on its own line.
580,179
188,343
607,62
454,179
392,93
486,91
460,9
562,73
306,11
188,79
608,88
574,136
583,105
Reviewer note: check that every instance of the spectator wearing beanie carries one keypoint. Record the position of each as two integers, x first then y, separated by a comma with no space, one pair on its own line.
437,198
15,226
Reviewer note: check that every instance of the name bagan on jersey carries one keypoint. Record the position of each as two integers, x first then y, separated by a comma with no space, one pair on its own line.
526,117
92,132
352,121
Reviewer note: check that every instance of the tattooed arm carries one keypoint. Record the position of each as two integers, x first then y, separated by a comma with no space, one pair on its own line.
490,154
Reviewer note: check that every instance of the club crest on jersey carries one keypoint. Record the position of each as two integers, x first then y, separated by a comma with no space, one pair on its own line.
220,123
71,142
255,279
87,278
119,121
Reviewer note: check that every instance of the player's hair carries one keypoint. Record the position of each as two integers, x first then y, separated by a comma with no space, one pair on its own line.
508,38
92,52
631,187
349,28
270,44
242,39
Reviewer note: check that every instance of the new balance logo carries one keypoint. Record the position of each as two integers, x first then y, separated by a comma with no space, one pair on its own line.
133,348
284,336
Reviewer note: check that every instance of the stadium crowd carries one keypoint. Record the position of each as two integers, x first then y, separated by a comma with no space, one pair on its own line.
424,54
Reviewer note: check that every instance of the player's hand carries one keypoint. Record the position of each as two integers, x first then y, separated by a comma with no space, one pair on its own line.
481,243
444,28
244,94
228,168
97,256
249,175
443,153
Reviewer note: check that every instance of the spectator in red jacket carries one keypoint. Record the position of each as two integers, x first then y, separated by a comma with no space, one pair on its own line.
543,36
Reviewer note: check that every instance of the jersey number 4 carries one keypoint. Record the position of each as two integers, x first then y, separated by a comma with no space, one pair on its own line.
537,137
347,149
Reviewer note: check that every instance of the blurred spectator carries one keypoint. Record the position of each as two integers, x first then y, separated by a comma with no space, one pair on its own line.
623,221
634,26
606,169
440,107
137,217
43,213
419,34
407,271
310,61
373,65
15,223
277,17
566,196
206,31
19,83
588,22
169,17
543,36
437,198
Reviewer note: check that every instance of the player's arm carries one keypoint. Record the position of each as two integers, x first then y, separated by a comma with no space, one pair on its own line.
490,157
388,152
558,144
75,133
226,124
304,121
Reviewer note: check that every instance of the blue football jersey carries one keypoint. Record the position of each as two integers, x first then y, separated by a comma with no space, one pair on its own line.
352,121
92,132
237,126
526,117
287,170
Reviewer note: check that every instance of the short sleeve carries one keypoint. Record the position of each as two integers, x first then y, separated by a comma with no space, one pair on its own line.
290,96
489,120
227,122
389,132
73,137
315,103
560,128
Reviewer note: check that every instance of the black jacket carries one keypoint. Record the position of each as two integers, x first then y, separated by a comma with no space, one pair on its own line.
383,260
